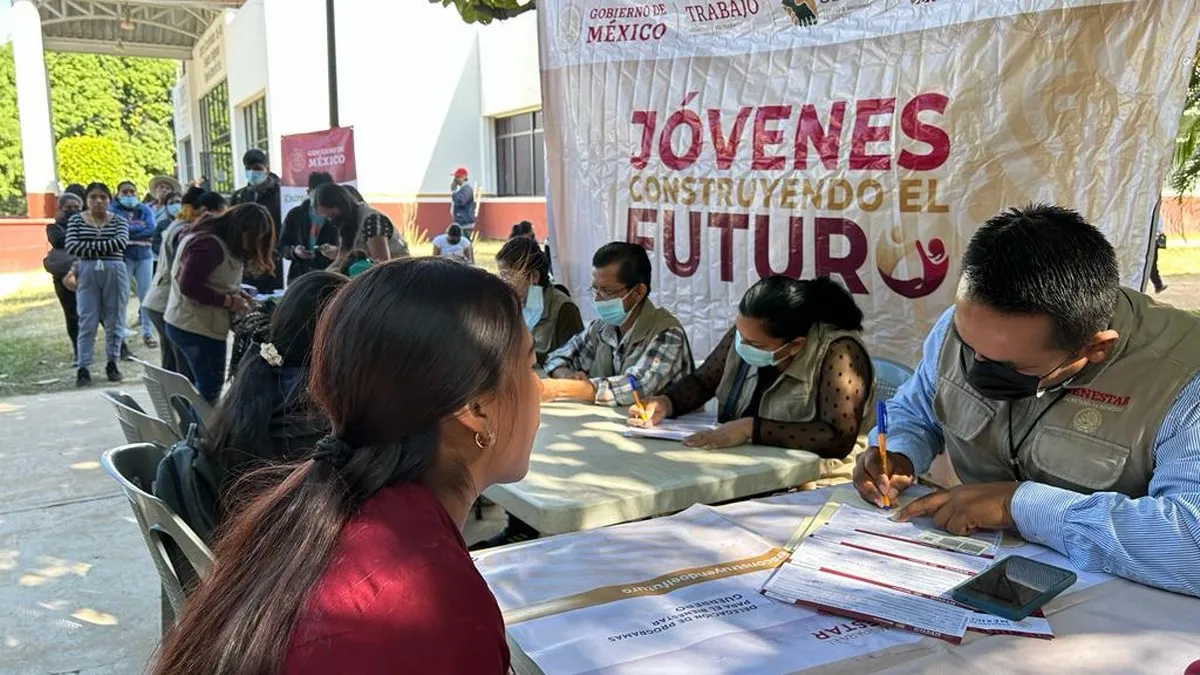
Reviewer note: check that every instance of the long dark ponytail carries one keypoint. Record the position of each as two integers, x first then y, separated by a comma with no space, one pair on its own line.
789,307
239,431
382,371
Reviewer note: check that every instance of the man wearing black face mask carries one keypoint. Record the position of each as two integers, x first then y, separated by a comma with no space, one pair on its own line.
1068,406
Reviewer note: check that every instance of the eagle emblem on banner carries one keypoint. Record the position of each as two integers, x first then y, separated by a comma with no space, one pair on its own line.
802,12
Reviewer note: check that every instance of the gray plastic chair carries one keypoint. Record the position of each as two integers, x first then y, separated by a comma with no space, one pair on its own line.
889,376
162,385
137,425
181,558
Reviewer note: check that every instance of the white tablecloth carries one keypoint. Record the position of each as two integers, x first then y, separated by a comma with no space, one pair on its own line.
1114,626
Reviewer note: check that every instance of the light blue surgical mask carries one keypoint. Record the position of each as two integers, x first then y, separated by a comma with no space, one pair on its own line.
535,302
128,201
612,312
255,177
758,358
315,218
173,209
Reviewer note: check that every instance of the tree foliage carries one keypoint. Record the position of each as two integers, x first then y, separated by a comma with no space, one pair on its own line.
12,173
83,159
124,101
486,11
1185,170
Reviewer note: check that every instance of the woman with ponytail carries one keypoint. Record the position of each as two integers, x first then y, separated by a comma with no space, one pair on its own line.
792,372
266,415
354,560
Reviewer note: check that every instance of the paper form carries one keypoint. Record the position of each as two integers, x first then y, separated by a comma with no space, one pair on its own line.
862,563
983,544
676,429
836,594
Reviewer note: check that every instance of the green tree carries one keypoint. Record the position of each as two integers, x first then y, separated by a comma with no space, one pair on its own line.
486,11
83,159
12,172
124,100
1185,170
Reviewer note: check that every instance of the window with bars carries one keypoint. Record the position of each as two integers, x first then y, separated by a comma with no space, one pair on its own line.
216,155
520,156
254,121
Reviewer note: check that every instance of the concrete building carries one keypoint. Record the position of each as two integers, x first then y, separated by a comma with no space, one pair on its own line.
425,93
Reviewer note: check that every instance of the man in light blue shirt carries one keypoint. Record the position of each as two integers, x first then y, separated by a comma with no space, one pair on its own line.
1069,406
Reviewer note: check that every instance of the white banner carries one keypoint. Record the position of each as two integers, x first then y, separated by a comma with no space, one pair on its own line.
861,139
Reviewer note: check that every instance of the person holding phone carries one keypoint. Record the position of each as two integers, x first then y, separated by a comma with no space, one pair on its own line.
1068,405
205,291
307,235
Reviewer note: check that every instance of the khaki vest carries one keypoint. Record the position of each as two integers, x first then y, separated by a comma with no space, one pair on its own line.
793,396
160,289
546,327
1098,432
186,314
650,323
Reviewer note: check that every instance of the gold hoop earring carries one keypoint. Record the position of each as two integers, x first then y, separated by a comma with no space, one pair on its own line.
484,442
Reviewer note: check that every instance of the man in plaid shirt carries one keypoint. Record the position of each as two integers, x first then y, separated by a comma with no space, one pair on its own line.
633,343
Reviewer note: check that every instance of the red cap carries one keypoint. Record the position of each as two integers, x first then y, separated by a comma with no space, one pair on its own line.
460,171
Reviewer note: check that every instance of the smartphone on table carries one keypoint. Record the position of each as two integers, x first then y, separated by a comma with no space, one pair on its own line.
1014,587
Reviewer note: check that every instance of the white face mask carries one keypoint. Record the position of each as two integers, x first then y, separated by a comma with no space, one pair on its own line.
535,302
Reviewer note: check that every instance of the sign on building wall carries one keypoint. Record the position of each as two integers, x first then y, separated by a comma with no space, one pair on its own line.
209,55
331,151
183,109
861,139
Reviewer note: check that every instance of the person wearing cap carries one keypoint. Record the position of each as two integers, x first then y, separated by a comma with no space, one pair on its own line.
462,202
161,187
262,187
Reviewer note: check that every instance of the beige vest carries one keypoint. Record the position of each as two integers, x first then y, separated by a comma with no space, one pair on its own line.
160,289
652,321
792,397
546,327
1097,433
186,314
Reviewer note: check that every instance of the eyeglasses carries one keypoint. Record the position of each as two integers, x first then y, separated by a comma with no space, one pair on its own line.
604,294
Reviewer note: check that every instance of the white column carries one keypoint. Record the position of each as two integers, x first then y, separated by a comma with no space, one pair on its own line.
33,106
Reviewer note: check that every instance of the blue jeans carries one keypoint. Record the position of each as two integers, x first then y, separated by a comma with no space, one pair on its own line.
100,298
205,357
141,273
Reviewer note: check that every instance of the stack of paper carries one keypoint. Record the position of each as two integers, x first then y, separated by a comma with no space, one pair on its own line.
676,429
863,565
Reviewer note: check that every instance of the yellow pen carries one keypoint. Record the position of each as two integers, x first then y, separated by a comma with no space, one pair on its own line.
637,400
881,424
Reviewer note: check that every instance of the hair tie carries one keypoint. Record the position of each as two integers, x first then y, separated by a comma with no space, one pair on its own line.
270,354
333,450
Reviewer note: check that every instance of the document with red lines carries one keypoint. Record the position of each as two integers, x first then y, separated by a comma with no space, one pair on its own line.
865,566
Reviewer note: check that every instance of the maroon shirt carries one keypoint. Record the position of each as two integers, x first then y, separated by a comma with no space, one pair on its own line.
400,595
202,256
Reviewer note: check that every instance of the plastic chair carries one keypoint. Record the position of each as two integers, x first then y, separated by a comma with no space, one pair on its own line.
162,385
137,425
889,376
181,558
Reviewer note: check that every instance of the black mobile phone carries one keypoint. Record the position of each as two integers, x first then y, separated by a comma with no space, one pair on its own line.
1014,587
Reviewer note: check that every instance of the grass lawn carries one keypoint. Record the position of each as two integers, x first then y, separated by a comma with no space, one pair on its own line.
35,354
1179,260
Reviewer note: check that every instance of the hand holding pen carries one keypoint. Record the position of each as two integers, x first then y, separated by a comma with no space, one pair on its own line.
880,476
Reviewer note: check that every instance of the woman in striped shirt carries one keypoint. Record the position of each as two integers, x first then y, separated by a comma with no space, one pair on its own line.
98,238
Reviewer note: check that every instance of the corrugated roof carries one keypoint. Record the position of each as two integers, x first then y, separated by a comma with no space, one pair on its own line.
158,28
